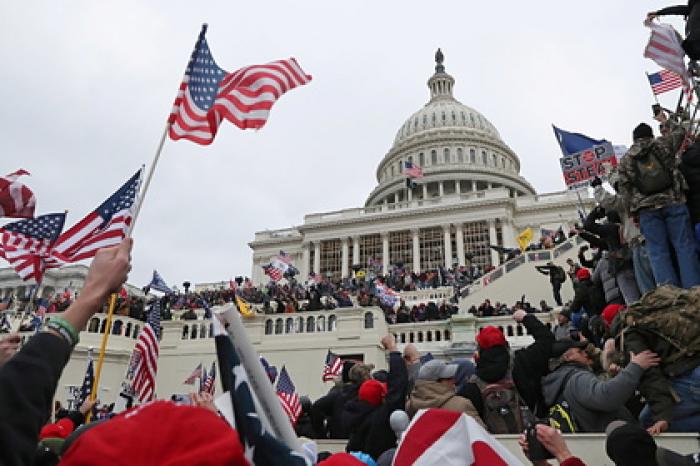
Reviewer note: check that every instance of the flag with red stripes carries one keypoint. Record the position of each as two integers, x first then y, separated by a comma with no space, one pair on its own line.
665,48
105,226
664,81
333,367
209,94
196,374
147,349
438,436
16,199
273,272
288,396
27,244
208,386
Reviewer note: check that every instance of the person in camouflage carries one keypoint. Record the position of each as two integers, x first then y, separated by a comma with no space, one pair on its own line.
667,322
660,206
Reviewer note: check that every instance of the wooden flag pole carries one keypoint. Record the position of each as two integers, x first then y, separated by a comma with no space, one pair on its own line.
103,347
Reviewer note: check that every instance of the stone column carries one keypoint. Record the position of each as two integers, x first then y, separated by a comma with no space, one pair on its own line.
473,186
385,253
425,190
459,239
458,187
508,233
356,250
317,257
305,258
447,245
416,250
409,196
396,198
344,254
441,188
493,239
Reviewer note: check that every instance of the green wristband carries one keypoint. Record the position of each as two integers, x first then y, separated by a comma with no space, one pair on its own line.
64,327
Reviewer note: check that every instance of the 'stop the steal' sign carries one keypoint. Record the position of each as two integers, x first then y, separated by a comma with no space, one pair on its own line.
580,168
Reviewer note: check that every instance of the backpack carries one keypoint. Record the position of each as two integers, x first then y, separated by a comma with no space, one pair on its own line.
561,416
502,408
651,176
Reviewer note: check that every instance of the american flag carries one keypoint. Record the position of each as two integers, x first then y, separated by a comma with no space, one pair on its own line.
27,244
288,396
147,348
88,382
16,200
261,447
209,386
412,170
273,272
665,48
284,257
105,226
158,284
333,367
208,94
271,371
196,374
664,81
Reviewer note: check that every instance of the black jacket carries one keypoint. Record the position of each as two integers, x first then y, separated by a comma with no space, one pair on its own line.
531,363
587,294
27,384
329,408
369,425
690,167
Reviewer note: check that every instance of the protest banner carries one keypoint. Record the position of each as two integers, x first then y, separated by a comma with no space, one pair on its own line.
581,167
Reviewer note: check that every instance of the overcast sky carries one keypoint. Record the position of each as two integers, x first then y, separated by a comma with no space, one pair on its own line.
87,86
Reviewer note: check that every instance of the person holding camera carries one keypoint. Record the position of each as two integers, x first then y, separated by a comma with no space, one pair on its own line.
542,436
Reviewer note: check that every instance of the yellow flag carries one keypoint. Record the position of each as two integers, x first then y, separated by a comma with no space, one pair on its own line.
524,238
244,308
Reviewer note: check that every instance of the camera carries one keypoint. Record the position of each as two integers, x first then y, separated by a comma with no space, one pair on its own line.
535,450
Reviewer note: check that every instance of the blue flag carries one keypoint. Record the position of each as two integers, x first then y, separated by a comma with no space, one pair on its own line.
158,284
571,143
261,447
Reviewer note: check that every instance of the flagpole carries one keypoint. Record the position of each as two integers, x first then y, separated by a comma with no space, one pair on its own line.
103,347
656,98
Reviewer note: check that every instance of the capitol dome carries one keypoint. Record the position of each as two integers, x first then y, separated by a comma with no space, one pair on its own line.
459,150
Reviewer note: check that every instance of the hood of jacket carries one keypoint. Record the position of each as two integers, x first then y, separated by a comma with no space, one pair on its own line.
355,412
493,363
430,394
552,382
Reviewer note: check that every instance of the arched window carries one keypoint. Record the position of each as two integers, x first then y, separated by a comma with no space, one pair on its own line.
94,325
400,169
127,332
460,155
310,324
410,159
425,120
493,157
332,322
289,325
519,330
433,157
471,117
510,330
464,118
503,163
279,326
403,338
102,327
444,118
136,331
421,159
202,331
185,332
321,324
193,335
484,157
454,117
447,335
415,124
446,155
434,118
429,336
392,170
411,337
420,337
268,327
117,327
369,320
438,336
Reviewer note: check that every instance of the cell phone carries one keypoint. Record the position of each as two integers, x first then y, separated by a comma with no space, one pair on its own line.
181,399
535,450
656,109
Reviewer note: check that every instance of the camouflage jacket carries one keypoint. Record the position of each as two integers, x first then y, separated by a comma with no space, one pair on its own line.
667,322
665,149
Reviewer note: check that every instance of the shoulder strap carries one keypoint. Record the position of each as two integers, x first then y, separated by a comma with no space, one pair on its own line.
560,393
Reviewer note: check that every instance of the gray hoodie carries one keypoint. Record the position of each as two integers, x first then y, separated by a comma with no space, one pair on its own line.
594,402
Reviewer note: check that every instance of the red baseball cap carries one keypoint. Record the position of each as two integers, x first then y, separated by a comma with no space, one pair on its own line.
372,391
158,433
583,274
610,312
489,337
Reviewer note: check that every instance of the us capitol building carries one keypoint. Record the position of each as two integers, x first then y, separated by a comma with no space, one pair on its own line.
472,195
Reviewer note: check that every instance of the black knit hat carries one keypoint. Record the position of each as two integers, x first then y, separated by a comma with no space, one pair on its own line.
642,131
630,445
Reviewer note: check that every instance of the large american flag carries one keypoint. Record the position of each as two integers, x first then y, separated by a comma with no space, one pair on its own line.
665,48
209,94
16,200
288,396
664,81
27,244
273,272
412,170
333,367
147,349
105,226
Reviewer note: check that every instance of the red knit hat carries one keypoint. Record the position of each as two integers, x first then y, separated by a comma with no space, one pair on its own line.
583,274
610,312
372,391
158,433
341,459
489,337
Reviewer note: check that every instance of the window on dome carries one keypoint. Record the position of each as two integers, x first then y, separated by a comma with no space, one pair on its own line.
392,170
494,159
425,120
400,167
444,117
421,159
503,162
464,117
415,124
481,122
434,118
433,157
460,155
484,157
454,117
472,155
471,117
446,156
410,159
